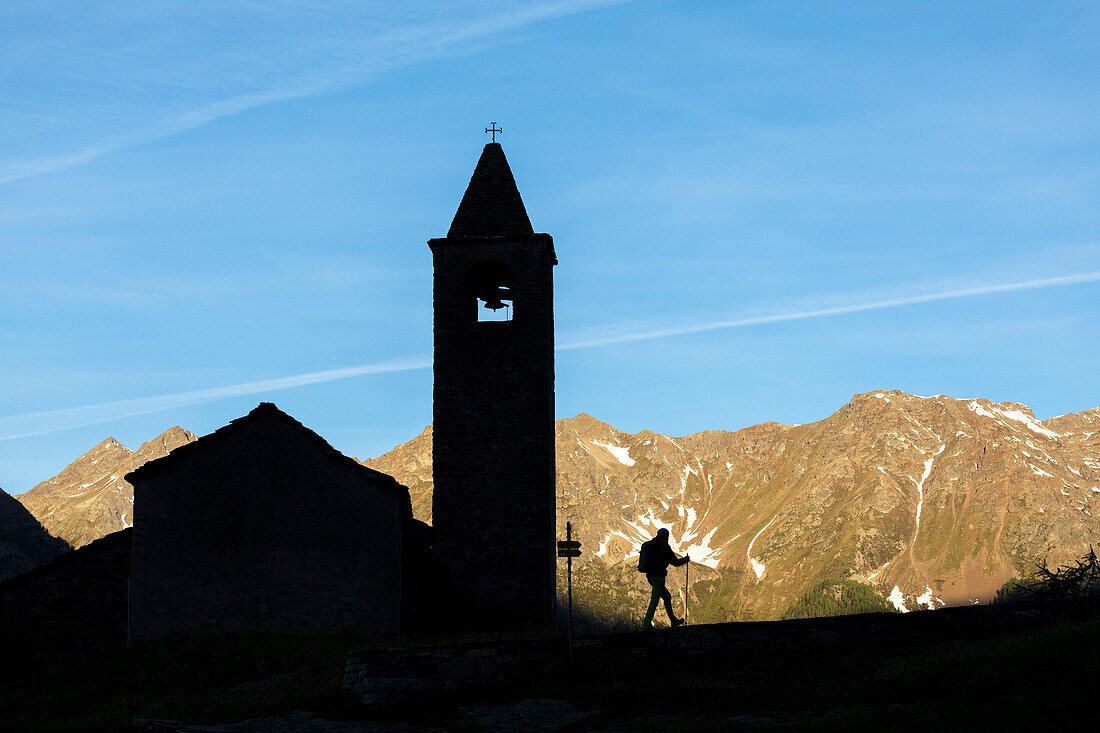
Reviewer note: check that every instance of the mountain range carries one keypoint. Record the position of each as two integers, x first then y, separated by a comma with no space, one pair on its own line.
90,498
930,501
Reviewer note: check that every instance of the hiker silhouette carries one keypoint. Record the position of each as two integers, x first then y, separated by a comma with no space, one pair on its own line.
653,559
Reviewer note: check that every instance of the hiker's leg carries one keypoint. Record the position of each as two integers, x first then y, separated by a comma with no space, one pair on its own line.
654,596
667,597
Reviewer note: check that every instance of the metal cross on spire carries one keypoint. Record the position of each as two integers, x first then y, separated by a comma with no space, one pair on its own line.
494,129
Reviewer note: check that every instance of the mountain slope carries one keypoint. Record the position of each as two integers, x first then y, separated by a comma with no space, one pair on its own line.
931,500
24,544
411,461
90,498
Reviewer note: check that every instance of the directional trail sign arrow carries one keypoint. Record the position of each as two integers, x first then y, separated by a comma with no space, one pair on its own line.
569,548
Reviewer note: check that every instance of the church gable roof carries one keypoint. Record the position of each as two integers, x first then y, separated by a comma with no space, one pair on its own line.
491,206
263,411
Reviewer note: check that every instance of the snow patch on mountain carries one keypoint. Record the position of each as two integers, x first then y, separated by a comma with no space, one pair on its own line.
645,526
927,600
702,552
920,487
1017,415
688,470
872,577
622,455
670,440
897,598
758,567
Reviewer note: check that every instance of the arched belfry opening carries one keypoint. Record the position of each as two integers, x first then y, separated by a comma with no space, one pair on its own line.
490,287
493,405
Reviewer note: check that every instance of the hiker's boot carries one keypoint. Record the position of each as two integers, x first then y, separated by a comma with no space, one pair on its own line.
678,622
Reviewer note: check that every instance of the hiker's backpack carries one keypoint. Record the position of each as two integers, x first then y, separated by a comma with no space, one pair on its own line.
644,556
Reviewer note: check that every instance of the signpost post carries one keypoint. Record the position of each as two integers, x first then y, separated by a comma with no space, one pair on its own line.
569,549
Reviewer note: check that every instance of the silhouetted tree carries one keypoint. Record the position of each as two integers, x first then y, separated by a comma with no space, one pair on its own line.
1072,580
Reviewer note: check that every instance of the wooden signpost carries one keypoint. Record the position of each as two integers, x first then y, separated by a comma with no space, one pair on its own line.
569,548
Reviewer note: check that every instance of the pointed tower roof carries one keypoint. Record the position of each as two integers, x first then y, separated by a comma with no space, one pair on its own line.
491,206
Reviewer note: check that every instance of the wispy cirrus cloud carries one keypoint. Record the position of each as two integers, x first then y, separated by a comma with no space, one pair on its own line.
80,81
40,423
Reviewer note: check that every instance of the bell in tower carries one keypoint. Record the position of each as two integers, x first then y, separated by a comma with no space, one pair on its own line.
493,413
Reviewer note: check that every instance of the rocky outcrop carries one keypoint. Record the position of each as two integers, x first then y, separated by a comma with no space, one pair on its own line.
90,498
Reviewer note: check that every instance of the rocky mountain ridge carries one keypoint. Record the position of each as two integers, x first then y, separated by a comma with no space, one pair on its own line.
90,498
933,501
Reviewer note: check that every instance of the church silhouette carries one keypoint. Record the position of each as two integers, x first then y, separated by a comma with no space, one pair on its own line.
262,525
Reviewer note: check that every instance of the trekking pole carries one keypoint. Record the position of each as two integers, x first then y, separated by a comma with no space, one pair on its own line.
687,588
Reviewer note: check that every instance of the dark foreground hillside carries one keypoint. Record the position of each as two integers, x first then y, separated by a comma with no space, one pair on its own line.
1016,668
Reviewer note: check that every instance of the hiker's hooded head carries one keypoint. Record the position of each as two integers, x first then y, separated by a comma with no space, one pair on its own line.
662,535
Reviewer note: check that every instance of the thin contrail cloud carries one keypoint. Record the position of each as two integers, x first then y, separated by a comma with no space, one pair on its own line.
52,421
647,334
41,423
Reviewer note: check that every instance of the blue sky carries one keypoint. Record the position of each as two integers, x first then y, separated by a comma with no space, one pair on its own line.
759,208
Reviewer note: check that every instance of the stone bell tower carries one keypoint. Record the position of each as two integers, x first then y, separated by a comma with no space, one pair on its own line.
493,455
